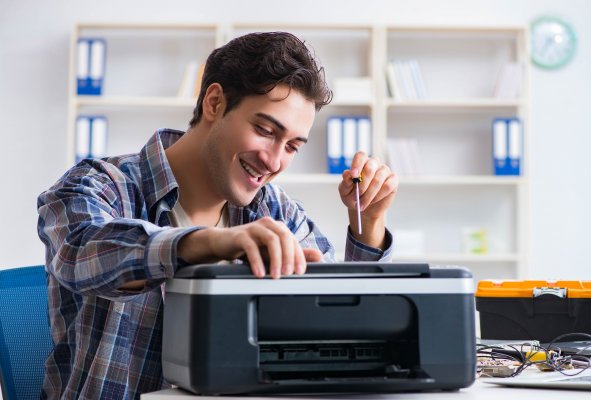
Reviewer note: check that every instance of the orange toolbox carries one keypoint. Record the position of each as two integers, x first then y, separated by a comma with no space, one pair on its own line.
533,309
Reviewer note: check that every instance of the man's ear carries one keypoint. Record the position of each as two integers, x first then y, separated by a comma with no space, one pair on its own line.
214,102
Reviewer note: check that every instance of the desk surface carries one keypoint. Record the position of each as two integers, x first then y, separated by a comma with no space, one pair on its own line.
479,390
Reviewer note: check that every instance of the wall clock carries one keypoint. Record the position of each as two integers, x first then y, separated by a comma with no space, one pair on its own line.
553,42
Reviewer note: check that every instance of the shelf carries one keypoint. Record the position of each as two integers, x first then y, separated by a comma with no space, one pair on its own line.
460,257
340,103
429,31
147,26
309,178
468,180
480,103
133,101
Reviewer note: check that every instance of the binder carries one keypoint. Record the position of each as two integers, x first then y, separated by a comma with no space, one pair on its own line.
98,137
349,141
90,66
82,138
515,146
346,135
91,137
335,145
83,68
364,135
507,146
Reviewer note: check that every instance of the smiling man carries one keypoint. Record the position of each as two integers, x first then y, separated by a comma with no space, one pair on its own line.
117,227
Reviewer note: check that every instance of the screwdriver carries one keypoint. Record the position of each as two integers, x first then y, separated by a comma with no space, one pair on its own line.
356,182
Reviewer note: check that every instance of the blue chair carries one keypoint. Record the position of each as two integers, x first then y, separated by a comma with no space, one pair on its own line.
25,339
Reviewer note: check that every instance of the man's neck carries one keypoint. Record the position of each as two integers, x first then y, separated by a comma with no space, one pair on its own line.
198,200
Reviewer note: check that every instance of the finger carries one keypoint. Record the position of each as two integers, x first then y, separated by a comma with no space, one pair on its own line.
359,160
375,186
287,244
300,261
346,186
312,255
389,188
370,168
271,242
253,255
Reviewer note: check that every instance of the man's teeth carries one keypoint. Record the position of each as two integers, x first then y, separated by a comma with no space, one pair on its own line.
251,171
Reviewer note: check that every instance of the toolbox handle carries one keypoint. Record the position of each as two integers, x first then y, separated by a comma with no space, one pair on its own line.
554,291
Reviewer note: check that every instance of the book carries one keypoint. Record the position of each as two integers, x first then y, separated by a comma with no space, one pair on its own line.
509,81
405,79
393,81
353,89
403,156
417,77
190,86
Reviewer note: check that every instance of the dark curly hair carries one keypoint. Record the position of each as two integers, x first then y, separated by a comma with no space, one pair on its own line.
255,63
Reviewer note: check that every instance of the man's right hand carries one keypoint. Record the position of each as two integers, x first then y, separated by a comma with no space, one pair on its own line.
262,241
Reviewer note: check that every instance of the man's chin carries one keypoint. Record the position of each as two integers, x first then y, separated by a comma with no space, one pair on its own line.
244,199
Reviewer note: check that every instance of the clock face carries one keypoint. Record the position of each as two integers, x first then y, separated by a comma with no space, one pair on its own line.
553,42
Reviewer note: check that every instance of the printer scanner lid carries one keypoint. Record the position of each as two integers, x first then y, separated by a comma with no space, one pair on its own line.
325,278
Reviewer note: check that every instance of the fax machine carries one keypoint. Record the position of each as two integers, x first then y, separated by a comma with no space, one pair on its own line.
347,327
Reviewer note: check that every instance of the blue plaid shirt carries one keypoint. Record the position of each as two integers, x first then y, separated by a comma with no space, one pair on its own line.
106,222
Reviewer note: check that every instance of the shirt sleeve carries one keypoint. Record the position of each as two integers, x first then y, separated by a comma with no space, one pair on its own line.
95,243
309,236
357,251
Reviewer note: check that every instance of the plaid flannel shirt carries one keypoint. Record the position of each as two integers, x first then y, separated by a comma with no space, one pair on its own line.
106,222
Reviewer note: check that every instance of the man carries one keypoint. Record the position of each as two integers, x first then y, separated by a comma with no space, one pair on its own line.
116,228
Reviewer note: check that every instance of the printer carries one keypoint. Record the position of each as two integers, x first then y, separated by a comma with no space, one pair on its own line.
348,327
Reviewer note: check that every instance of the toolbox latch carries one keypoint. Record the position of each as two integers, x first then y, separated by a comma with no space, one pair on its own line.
554,291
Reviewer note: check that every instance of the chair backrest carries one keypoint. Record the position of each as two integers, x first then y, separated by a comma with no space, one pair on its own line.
25,339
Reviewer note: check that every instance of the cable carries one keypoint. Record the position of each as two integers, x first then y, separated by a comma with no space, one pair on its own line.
510,361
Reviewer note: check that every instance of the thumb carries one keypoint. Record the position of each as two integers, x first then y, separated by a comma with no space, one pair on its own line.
312,255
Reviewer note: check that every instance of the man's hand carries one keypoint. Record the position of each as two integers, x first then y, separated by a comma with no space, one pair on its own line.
376,192
258,241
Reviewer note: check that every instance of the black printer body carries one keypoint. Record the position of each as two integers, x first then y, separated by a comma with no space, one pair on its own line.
340,328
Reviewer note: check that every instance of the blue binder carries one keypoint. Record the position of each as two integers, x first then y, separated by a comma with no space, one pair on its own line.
507,146
91,66
91,137
334,145
346,135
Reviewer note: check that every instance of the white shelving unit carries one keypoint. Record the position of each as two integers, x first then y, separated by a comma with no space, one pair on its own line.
145,64
452,124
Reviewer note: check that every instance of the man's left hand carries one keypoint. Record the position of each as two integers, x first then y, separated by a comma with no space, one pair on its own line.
377,190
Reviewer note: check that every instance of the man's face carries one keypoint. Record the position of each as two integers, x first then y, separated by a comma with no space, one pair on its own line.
255,141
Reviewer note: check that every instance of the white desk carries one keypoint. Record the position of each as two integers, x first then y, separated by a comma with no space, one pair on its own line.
479,390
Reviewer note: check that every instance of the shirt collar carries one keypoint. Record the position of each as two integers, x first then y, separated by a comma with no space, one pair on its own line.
157,177
159,182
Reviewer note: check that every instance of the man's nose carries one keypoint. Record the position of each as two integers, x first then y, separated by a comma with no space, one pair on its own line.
272,158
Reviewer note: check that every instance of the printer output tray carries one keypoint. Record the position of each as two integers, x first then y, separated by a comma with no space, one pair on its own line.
340,328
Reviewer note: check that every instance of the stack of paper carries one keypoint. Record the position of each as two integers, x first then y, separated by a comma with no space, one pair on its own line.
403,156
405,80
508,84
191,83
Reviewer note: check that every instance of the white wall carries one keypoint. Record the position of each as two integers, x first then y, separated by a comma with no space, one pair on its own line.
34,39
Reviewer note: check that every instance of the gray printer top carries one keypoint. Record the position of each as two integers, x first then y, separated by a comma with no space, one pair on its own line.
325,278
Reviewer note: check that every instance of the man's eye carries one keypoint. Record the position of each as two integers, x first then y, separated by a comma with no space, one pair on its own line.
292,149
262,130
